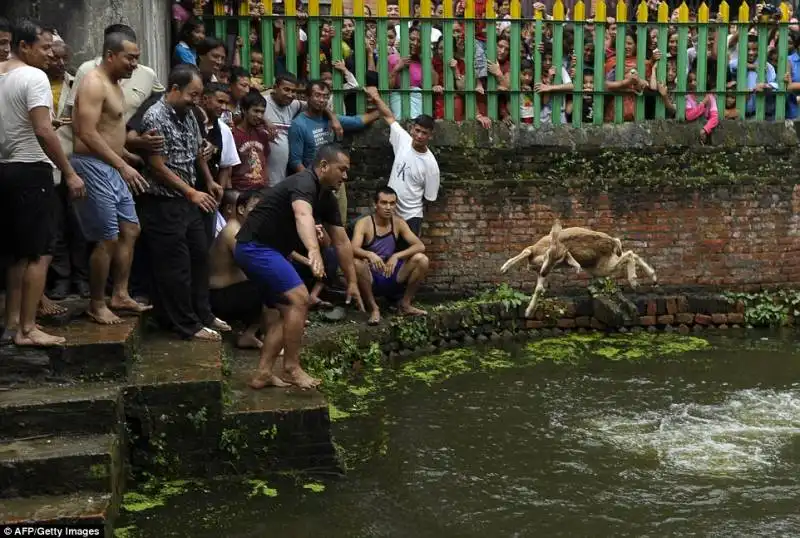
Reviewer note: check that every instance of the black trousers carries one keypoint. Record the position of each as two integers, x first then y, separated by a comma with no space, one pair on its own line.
175,239
70,250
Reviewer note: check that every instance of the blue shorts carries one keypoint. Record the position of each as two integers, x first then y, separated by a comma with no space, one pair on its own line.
269,269
108,199
388,286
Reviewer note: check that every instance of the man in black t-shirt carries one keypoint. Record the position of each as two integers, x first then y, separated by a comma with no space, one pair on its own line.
283,221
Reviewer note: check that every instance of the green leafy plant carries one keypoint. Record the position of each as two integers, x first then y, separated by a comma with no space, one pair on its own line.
603,287
199,418
768,308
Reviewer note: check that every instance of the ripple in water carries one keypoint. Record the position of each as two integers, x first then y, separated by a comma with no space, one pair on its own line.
744,433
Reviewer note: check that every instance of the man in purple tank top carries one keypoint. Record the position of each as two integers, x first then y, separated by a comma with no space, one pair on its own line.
382,269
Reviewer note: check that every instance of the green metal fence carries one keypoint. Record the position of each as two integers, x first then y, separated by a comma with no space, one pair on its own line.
649,46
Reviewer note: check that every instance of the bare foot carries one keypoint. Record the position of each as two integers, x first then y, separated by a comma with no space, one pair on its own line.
38,338
267,379
207,335
126,303
408,310
248,341
298,376
219,325
103,316
374,317
315,303
49,308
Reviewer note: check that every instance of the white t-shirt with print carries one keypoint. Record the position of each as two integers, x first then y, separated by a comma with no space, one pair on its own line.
414,175
22,89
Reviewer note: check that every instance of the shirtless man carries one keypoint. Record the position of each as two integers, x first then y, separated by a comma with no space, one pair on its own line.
383,270
108,216
233,296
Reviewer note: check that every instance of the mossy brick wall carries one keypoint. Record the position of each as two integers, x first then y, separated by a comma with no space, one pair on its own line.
718,216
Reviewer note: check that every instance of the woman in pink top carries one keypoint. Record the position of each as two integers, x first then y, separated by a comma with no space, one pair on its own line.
414,65
707,108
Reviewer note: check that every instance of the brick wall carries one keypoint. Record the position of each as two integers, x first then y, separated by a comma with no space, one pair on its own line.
723,216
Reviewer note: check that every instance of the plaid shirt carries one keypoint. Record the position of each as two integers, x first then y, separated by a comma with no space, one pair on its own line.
182,142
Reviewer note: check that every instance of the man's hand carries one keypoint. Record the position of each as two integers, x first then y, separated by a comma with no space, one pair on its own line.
272,132
336,127
494,69
320,232
391,265
376,262
317,266
353,293
153,141
133,178
206,151
216,190
202,200
339,66
75,185
372,93
58,122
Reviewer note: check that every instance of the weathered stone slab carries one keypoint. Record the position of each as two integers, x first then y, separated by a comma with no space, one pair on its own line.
56,465
71,509
60,409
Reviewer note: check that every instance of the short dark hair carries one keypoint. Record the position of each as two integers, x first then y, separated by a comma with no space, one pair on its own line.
181,76
425,121
316,83
246,197
253,98
120,29
115,42
385,189
209,44
215,87
25,30
236,73
188,28
5,25
329,152
285,77
525,65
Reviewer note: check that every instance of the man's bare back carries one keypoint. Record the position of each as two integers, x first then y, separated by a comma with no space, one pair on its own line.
223,270
97,86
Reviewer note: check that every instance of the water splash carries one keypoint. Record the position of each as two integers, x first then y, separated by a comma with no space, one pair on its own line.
744,433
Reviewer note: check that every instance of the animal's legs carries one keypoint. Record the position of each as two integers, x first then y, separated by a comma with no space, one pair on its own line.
573,263
515,260
541,283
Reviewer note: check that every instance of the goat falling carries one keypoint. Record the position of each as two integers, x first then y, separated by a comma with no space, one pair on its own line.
597,253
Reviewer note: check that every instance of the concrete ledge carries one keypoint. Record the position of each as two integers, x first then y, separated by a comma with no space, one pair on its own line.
650,134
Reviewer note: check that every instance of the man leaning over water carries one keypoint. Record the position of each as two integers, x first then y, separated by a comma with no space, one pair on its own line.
283,221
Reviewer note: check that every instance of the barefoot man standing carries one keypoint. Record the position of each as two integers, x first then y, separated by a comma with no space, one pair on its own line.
281,222
108,216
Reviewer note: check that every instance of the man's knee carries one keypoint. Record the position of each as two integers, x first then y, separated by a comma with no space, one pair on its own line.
107,246
129,231
362,270
420,260
296,298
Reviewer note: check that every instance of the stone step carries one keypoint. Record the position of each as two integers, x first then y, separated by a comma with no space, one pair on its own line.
275,429
71,509
173,405
57,465
49,409
92,352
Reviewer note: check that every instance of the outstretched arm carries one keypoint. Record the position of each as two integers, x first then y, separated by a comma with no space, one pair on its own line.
383,108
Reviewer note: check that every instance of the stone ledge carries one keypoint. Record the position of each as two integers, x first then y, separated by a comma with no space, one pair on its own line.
662,133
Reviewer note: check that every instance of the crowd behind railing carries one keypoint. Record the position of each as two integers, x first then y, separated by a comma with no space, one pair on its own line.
481,60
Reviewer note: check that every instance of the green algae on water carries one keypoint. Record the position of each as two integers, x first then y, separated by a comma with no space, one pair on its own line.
616,347
314,487
153,495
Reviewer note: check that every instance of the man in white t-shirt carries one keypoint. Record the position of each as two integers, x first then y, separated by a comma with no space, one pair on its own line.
281,109
415,172
28,149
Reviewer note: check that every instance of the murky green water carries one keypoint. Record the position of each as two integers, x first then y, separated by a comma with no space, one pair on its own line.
697,443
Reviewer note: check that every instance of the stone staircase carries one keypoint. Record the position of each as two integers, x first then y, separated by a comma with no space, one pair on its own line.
75,421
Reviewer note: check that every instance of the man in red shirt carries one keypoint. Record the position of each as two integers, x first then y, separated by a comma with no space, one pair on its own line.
252,144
